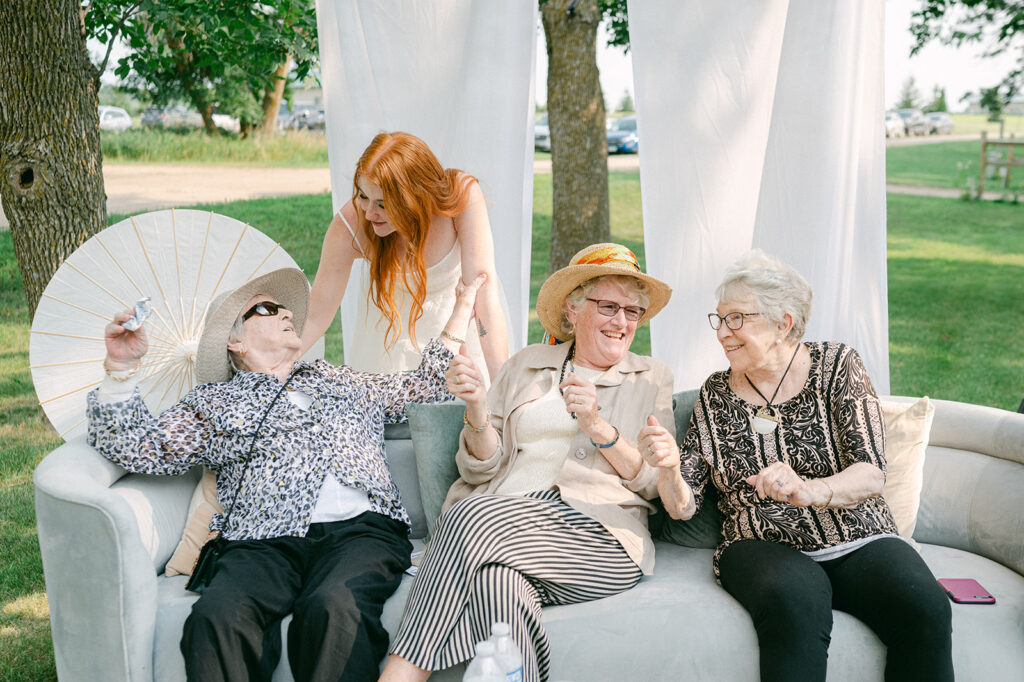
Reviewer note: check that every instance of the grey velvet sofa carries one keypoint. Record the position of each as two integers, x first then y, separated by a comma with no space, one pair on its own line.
105,537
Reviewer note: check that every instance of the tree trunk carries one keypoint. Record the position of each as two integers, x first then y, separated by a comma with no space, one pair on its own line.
576,117
272,96
51,166
206,111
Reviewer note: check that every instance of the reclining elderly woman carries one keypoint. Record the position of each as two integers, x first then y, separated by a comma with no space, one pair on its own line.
314,523
552,502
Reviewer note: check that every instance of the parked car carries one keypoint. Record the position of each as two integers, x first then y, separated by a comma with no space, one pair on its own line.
622,136
114,119
227,123
894,125
542,134
941,123
169,117
313,119
301,117
915,121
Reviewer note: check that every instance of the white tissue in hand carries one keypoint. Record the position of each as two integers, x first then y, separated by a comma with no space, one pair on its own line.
143,310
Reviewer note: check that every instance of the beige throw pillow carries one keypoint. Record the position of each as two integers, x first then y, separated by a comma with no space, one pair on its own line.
201,509
906,439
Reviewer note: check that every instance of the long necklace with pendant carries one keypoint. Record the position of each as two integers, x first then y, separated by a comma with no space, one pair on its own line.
767,417
567,363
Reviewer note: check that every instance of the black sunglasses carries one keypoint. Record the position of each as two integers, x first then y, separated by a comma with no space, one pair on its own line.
263,309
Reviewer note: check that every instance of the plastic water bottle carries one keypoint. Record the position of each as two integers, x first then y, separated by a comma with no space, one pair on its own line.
485,667
507,653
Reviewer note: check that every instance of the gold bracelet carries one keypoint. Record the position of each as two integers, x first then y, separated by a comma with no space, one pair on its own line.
830,493
452,337
474,429
126,377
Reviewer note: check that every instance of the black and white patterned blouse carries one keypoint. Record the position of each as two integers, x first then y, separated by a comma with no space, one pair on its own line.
342,432
834,422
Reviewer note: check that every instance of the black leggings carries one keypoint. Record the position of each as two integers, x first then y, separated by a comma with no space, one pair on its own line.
885,584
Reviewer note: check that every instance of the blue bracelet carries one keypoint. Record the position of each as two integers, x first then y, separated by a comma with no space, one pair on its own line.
607,445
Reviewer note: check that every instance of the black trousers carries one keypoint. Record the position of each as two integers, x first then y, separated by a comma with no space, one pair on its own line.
334,581
885,584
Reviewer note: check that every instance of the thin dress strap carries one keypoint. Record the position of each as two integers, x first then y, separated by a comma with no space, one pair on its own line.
352,232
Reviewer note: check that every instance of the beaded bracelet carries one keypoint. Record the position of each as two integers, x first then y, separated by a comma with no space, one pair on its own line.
829,500
452,337
125,377
607,445
474,429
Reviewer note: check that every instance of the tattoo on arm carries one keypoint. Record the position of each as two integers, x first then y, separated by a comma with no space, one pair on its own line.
480,328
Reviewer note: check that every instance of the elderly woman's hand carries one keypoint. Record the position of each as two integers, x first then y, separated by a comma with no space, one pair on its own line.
124,348
657,446
779,482
580,398
465,380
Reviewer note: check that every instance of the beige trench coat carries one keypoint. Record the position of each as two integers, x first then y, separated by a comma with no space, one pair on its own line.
627,393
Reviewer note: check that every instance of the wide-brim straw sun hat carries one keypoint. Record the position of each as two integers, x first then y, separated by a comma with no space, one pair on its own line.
596,260
288,286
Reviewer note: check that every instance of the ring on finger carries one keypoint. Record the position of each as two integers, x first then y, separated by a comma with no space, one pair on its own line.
650,449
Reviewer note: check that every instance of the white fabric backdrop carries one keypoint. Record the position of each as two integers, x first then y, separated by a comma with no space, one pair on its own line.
460,75
760,125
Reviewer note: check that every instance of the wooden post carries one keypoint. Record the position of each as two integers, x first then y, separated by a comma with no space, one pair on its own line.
981,167
1009,162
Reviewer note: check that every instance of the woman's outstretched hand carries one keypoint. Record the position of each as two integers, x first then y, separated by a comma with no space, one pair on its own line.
465,380
454,333
657,446
124,348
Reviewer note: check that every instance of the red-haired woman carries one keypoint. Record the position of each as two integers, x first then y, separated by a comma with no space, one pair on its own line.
423,228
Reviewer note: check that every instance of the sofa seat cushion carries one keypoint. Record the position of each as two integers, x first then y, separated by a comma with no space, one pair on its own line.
987,638
679,624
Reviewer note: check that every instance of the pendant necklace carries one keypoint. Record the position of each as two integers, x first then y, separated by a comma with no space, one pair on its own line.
572,368
767,417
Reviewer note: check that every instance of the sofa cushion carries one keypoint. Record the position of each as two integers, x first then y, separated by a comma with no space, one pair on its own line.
906,439
201,509
435,438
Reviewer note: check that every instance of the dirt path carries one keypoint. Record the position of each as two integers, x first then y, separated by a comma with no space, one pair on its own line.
135,188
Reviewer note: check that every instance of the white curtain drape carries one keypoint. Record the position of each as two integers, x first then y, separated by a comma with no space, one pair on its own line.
460,75
760,125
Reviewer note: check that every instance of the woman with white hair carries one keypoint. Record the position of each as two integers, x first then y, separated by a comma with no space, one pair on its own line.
792,437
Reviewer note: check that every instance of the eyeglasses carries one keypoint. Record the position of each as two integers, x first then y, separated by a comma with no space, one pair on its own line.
733,321
263,309
611,309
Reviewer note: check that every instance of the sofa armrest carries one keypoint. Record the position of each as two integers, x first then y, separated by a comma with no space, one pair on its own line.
100,579
973,478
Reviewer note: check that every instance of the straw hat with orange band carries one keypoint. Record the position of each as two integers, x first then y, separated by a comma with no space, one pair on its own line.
596,260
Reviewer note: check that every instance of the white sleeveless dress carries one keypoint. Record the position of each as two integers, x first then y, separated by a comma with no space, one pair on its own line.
369,352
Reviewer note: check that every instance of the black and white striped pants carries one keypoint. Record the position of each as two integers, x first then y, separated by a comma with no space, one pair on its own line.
500,558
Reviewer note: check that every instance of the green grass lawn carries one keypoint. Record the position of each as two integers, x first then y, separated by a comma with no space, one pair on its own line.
943,164
956,282
969,124
150,145
956,279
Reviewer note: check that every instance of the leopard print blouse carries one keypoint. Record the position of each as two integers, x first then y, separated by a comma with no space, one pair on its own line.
342,432
832,423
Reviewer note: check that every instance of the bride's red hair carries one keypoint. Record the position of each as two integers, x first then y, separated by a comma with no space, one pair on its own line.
415,187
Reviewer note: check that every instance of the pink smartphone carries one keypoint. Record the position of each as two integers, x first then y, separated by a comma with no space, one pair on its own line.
966,591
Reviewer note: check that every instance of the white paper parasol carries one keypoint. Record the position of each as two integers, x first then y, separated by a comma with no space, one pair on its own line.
182,260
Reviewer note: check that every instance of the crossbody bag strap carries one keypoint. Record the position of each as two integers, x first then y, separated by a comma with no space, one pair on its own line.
248,455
